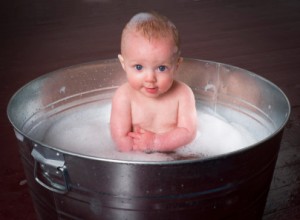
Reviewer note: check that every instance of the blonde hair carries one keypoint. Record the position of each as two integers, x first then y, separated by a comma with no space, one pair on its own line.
152,25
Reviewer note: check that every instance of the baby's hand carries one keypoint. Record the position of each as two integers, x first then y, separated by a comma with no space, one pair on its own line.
142,140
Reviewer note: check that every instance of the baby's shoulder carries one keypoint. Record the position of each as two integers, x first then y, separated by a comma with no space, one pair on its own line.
124,89
123,92
182,88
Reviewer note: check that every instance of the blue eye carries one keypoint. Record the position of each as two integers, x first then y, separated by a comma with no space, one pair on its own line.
162,68
139,67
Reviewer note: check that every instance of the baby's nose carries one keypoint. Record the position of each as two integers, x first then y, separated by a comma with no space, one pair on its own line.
150,76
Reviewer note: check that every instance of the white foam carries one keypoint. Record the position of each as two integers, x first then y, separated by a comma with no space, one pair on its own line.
210,87
217,136
85,130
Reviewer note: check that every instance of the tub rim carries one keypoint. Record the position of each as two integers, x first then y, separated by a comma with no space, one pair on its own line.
140,162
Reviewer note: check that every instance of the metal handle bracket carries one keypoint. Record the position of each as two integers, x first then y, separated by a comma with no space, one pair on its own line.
49,169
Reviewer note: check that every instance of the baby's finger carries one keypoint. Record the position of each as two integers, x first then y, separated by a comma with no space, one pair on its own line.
136,128
133,135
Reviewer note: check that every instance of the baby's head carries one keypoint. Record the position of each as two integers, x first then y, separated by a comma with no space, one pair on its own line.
152,26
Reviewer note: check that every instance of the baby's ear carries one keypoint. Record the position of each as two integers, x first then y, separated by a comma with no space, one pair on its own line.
179,61
121,59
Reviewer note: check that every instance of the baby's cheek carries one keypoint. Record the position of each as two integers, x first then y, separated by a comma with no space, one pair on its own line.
134,83
166,84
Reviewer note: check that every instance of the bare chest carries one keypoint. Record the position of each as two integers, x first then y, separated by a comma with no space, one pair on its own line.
157,117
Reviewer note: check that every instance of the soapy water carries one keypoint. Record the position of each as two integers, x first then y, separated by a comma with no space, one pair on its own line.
84,130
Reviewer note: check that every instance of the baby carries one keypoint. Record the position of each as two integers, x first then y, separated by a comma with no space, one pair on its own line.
152,111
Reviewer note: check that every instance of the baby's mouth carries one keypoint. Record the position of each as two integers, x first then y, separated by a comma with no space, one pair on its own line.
151,90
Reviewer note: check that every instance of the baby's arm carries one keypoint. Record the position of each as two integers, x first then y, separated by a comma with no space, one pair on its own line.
148,141
120,120
182,134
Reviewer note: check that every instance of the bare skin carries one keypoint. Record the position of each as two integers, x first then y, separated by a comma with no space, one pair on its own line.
152,111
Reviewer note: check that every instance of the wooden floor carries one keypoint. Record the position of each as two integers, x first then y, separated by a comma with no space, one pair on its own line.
259,35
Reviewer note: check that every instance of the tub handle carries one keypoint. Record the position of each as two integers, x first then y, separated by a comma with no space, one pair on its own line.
49,169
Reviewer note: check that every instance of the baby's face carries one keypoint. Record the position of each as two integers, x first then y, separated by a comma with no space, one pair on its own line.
149,65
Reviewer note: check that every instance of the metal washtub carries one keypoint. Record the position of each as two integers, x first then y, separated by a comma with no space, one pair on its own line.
68,185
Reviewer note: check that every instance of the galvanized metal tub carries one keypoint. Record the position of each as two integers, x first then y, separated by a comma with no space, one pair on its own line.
68,185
